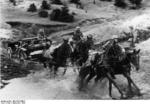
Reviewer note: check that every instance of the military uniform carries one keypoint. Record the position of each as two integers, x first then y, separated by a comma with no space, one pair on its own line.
133,34
77,35
114,53
41,34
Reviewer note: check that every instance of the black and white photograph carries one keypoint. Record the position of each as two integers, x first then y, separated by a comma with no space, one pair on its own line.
74,50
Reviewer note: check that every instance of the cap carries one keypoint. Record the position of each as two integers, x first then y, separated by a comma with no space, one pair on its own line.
131,27
77,27
41,30
114,36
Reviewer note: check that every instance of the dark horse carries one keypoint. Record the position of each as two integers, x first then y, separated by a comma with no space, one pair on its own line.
60,57
80,53
97,68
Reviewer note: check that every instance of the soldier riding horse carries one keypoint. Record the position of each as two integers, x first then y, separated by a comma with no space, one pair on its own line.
60,56
80,53
104,66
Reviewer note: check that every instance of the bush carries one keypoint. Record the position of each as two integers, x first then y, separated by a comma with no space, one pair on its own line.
75,1
43,14
45,5
62,15
57,2
105,0
66,18
136,2
32,8
13,1
120,3
55,14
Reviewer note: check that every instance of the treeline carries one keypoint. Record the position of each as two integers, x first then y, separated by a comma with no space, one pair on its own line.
61,14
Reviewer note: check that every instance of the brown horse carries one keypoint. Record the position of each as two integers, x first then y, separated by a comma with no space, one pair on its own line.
60,57
98,69
80,53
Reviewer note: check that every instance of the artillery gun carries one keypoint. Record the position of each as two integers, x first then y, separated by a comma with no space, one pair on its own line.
26,48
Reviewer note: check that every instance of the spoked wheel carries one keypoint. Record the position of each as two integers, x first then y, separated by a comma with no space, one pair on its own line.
9,52
22,55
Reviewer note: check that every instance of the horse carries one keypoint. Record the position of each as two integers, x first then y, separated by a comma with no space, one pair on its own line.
80,53
98,69
60,56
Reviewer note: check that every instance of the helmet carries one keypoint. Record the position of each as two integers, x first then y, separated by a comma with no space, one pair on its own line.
114,36
131,27
41,31
77,28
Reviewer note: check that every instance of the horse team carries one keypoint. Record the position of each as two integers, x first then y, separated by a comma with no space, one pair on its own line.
112,61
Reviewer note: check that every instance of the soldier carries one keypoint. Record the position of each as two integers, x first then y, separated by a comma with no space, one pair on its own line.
133,34
78,35
41,34
113,53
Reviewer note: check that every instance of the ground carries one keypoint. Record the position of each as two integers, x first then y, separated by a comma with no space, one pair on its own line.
102,21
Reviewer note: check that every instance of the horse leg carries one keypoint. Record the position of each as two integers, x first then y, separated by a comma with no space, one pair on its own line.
114,83
44,64
90,77
82,75
65,69
50,66
129,85
131,81
96,79
81,84
110,89
55,70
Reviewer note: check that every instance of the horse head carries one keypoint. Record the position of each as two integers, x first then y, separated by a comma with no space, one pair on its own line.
90,41
134,58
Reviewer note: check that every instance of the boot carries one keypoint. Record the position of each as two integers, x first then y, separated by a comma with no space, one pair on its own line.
112,74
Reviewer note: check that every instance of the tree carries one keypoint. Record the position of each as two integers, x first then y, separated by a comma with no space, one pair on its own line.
32,8
45,5
120,3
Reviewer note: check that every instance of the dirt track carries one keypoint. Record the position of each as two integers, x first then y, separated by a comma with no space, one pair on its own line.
39,85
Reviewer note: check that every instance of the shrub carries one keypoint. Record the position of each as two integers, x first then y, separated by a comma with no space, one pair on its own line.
13,1
137,3
57,2
62,15
120,3
32,8
66,18
43,14
55,14
105,0
45,5
75,1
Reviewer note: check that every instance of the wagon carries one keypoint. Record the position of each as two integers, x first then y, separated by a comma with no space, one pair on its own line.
26,48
